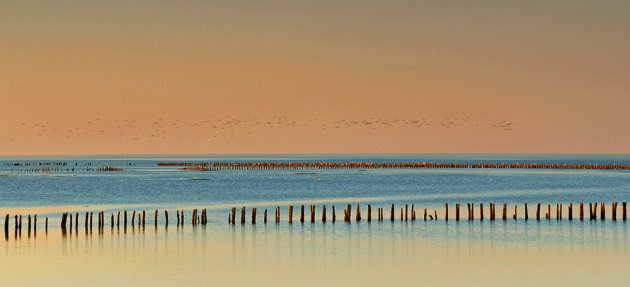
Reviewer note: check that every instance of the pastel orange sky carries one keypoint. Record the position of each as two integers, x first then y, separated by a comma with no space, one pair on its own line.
192,77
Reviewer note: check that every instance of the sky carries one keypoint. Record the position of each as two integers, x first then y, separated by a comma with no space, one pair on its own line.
247,77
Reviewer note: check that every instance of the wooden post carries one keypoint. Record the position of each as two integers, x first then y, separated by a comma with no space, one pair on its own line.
233,215
91,215
302,213
277,214
243,215
456,212
614,211
595,211
413,213
526,213
290,214
324,213
469,215
6,225
425,213
406,212
602,209
265,217
446,211
46,224
581,211
401,214
481,211
492,212
504,211
154,218
182,216
623,211
570,211
472,211
369,215
515,213
254,215
334,217
392,213
548,211
112,221
358,214
165,218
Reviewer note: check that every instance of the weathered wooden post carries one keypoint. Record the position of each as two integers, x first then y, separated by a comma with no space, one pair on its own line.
481,211
91,216
254,215
6,225
469,218
538,212
165,218
413,213
334,217
406,211
614,211
446,211
324,213
504,211
526,213
623,211
154,218
369,213
265,217
182,216
277,214
358,214
456,212
548,211
602,209
581,207
392,213
515,213
290,214
46,224
243,215
233,215
302,213
570,211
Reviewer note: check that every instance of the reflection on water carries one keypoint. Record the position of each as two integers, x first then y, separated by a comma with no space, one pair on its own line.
432,252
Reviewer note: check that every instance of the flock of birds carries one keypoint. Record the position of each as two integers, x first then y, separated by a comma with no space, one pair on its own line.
229,126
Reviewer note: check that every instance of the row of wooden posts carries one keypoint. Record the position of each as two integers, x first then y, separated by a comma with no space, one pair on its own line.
407,212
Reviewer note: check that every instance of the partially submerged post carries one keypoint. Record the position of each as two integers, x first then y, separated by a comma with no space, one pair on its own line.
446,211
290,214
392,213
456,212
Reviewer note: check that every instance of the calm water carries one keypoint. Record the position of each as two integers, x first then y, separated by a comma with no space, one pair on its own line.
409,253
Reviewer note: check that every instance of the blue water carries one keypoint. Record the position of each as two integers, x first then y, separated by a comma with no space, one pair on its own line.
146,183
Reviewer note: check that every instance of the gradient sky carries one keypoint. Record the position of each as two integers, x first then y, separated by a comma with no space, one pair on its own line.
130,77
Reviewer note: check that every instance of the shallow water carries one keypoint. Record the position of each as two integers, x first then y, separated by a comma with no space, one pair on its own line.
515,252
